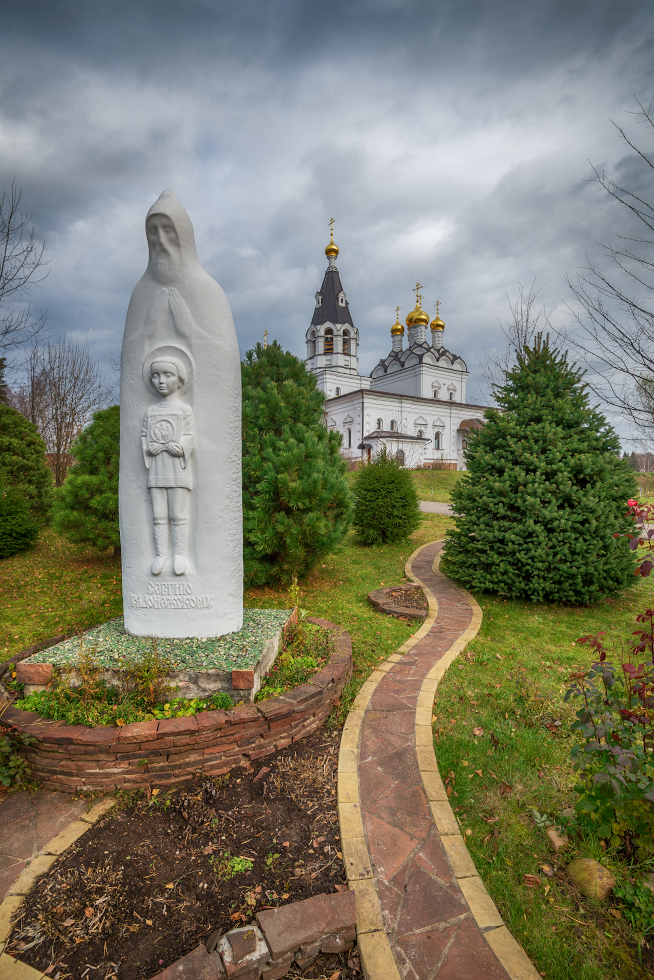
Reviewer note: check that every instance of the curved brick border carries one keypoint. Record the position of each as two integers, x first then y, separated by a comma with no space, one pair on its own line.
444,852
380,600
159,753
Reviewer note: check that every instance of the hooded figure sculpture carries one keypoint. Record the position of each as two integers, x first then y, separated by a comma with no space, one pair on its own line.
180,443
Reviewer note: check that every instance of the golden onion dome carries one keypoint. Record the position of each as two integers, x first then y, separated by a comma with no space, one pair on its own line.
397,330
332,248
437,323
417,316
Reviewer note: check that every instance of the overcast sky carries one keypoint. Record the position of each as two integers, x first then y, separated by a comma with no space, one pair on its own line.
450,140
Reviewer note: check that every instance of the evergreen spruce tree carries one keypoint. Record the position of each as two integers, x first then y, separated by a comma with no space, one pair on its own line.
296,502
546,491
22,463
386,505
18,527
4,391
86,505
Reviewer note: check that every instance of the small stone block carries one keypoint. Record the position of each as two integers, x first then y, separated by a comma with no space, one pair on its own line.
242,680
198,965
335,944
446,822
377,956
67,837
277,968
139,731
459,856
307,954
174,726
239,964
27,673
480,903
208,721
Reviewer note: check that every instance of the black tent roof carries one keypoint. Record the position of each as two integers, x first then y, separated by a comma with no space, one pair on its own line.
330,310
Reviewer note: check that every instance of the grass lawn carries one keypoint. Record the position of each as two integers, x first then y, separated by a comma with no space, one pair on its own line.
436,485
511,684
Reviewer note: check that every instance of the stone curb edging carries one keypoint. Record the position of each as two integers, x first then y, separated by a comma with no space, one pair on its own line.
161,753
375,949
11,969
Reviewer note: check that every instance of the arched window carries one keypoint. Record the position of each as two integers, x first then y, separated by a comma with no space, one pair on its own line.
337,392
399,455
349,438
312,343
393,425
419,433
346,341
329,341
437,440
435,392
380,424
464,444
451,396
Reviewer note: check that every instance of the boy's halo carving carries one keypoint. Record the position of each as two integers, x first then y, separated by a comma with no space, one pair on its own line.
169,350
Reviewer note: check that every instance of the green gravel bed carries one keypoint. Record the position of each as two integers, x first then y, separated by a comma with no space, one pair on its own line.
110,644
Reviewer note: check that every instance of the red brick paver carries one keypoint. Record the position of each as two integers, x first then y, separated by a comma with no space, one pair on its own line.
430,928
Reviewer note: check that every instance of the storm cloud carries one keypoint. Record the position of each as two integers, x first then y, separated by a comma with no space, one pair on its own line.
450,141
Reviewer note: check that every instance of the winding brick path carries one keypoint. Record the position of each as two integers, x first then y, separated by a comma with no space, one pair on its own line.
428,922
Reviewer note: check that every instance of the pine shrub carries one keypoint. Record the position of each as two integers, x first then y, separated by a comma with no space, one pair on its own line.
22,463
545,492
386,505
86,506
18,527
296,502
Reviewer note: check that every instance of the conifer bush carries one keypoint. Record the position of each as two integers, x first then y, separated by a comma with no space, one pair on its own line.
296,501
546,491
386,505
22,463
86,505
18,527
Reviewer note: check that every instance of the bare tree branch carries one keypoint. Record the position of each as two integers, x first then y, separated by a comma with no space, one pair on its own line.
614,314
22,266
519,331
62,388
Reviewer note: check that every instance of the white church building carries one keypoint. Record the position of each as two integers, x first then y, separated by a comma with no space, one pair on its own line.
414,401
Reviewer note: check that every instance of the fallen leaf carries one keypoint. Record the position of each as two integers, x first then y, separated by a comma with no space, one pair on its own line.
547,888
155,792
68,922
548,869
148,922
531,881
479,772
478,730
88,912
170,885
616,912
468,832
505,788
541,774
339,855
286,844
335,976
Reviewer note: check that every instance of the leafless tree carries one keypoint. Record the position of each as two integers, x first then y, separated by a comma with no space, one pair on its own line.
614,330
63,386
519,331
22,266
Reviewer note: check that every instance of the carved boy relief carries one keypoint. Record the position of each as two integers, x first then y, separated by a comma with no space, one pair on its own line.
167,443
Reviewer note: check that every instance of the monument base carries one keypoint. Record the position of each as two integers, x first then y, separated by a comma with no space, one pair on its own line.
236,663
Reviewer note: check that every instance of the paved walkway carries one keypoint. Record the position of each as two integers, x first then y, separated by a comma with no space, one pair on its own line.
438,918
434,507
29,821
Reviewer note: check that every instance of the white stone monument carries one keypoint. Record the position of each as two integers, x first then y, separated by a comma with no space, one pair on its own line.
180,443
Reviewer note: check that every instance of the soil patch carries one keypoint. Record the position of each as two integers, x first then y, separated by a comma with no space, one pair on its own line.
157,876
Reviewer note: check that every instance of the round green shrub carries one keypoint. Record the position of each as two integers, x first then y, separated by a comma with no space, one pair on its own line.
546,491
386,507
296,501
22,462
86,505
18,527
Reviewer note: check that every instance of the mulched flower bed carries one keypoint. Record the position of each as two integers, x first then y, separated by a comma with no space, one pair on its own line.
411,598
156,877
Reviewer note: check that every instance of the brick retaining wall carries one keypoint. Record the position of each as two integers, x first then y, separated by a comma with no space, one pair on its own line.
160,753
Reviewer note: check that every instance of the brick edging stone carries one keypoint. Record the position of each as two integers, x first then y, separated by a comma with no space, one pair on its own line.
160,753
